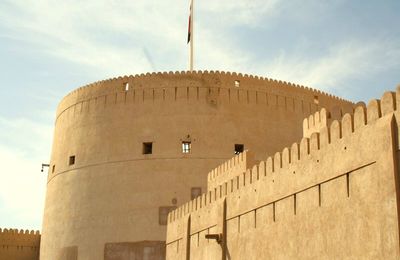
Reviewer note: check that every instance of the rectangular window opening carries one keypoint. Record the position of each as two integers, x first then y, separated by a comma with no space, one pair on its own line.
147,148
316,100
237,83
186,147
163,214
195,192
126,86
72,160
53,169
239,148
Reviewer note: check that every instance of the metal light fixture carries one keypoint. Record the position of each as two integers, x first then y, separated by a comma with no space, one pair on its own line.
217,237
44,165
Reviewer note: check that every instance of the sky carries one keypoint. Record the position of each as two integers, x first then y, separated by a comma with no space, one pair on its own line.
48,48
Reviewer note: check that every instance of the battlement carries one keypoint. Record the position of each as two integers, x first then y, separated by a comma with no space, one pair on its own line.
323,118
20,238
315,122
148,77
12,231
230,169
213,87
274,173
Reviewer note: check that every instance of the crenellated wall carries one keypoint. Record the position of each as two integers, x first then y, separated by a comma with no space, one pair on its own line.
323,118
315,122
202,85
229,169
334,195
115,193
19,244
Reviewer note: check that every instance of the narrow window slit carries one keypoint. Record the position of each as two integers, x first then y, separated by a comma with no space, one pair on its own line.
238,224
273,211
176,92
319,195
255,218
72,160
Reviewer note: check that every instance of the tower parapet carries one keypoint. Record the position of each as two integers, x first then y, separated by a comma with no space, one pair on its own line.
207,86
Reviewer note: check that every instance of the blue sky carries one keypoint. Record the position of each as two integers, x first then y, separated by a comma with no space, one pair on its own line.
48,48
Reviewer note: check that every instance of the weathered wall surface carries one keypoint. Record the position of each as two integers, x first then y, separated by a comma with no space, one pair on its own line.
132,251
315,122
112,192
19,244
332,196
230,169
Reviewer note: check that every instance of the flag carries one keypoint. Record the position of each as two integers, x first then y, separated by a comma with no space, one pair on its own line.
190,23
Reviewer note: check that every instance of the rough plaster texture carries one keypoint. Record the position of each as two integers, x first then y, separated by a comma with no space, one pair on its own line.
146,250
334,195
315,122
19,244
232,168
113,192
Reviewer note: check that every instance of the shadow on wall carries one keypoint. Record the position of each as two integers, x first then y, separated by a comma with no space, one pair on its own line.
145,250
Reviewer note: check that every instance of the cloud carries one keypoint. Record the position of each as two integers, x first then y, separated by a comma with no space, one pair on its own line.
244,12
340,63
25,137
24,145
137,36
89,34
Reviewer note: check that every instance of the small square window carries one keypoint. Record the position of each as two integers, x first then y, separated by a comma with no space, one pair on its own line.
54,168
316,100
186,147
147,148
239,148
237,83
72,160
163,214
195,192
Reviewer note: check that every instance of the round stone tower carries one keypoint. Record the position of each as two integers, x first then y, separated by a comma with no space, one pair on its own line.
129,149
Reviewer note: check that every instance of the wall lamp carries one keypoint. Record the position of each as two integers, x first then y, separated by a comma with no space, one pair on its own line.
44,165
217,237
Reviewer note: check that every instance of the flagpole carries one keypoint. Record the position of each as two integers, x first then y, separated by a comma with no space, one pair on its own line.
191,36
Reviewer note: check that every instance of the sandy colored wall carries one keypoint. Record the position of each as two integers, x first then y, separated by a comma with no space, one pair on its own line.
19,244
113,192
315,122
229,169
332,196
